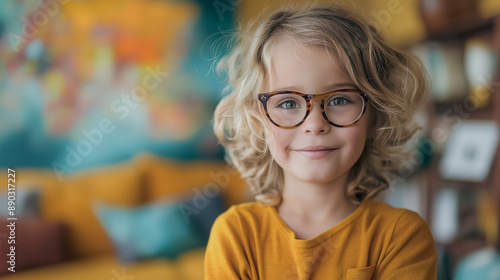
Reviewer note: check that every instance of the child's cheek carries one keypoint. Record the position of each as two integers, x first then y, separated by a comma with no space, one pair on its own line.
279,144
358,139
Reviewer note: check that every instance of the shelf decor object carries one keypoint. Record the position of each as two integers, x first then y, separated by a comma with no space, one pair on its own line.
445,223
440,16
480,65
445,66
469,154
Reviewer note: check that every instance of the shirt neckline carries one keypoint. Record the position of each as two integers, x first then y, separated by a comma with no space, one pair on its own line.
322,236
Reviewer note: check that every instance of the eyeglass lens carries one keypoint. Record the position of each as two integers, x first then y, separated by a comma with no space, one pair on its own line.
341,108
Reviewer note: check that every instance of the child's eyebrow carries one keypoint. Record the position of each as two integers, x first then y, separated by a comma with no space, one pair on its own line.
330,88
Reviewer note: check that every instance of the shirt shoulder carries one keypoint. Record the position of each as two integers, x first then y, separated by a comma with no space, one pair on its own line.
242,215
395,224
246,209
383,213
229,252
407,248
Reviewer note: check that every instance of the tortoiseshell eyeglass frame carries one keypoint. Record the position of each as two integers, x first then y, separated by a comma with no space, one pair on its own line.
264,97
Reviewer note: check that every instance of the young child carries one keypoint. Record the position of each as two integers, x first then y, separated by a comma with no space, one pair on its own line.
318,111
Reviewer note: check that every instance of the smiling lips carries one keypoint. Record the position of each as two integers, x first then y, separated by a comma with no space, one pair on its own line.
316,152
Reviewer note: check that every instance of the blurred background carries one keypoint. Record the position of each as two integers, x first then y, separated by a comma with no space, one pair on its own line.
105,124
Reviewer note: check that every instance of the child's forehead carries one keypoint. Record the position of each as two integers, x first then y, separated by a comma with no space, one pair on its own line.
283,49
289,49
292,63
287,42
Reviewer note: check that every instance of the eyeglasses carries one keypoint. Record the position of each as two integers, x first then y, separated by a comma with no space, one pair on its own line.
289,109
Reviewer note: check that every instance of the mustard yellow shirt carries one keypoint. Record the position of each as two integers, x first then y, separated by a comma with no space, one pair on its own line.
376,241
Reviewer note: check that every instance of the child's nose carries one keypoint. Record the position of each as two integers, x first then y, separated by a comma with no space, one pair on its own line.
315,123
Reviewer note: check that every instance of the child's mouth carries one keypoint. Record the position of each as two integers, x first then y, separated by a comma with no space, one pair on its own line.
316,152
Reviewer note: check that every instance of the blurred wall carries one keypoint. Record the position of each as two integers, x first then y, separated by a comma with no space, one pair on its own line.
398,20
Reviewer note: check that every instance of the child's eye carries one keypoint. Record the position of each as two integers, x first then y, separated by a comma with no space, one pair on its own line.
289,104
339,101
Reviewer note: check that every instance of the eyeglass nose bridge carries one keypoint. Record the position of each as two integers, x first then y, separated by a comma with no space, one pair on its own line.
309,98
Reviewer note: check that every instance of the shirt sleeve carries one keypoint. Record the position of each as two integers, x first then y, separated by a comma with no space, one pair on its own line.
411,253
225,256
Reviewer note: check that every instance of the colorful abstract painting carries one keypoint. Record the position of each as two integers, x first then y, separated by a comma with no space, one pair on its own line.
91,82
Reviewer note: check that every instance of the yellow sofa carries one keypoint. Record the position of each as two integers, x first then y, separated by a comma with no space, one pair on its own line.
144,179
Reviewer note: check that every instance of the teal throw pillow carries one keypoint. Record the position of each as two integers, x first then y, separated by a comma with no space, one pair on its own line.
156,230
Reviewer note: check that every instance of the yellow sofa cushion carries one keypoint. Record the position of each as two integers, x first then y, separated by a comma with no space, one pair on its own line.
72,203
169,178
104,267
190,265
28,178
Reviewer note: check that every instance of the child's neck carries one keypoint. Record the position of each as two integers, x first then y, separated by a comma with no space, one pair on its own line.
315,203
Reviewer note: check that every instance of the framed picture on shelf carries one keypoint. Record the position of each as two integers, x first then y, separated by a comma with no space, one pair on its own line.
445,220
469,153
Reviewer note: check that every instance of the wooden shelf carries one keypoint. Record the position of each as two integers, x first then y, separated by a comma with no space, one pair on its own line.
463,30
480,113
488,28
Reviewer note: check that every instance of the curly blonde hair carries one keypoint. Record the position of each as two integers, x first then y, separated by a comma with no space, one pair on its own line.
394,81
